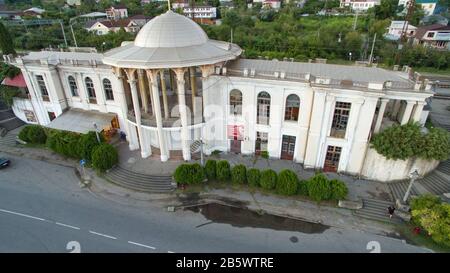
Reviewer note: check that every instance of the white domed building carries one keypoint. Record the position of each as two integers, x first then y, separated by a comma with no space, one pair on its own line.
173,86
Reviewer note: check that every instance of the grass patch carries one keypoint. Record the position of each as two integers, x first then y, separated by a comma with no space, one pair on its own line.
432,70
422,239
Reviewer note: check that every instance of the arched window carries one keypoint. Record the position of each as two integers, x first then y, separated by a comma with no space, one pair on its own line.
90,88
292,107
235,102
263,108
108,89
73,86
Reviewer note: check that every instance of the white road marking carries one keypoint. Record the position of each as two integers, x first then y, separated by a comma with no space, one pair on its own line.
138,244
21,214
64,225
104,235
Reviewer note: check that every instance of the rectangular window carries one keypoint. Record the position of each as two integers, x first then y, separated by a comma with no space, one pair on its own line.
332,158
340,119
287,147
42,87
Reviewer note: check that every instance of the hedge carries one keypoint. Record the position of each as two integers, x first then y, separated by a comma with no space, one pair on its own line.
287,183
182,174
238,174
197,174
320,188
338,189
210,169
253,176
268,179
223,170
33,134
406,141
63,142
104,157
302,188
87,143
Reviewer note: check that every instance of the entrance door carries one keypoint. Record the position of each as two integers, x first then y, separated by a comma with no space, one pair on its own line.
332,159
261,142
288,147
235,146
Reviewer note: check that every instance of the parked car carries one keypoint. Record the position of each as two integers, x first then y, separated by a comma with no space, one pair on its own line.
4,162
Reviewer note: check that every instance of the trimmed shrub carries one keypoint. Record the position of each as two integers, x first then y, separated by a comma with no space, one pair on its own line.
23,135
197,174
182,174
253,176
287,183
239,174
210,169
86,145
302,188
338,189
434,145
36,134
319,187
104,157
268,179
265,154
223,170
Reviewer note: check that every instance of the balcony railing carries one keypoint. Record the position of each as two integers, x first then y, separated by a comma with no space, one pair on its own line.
170,122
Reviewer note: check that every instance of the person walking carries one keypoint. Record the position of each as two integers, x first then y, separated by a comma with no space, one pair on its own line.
391,210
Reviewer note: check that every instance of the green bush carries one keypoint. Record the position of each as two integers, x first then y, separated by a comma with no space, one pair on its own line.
33,134
223,170
239,174
182,174
302,188
210,169
23,135
434,145
433,216
64,142
339,190
319,187
197,174
253,176
104,157
268,179
86,145
287,183
265,154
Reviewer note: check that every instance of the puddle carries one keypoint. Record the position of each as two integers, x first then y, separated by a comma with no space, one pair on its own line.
239,217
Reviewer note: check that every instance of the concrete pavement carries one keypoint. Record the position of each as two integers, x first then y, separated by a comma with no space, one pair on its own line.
42,209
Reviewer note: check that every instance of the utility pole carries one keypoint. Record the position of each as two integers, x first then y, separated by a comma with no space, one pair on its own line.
371,51
414,175
411,5
356,20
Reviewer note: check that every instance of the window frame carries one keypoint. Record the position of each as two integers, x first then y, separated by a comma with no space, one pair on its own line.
263,108
109,93
289,111
73,86
235,102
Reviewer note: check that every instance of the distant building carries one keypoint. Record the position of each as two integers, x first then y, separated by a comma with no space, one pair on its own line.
107,26
275,4
117,12
73,2
10,14
179,4
200,12
359,5
434,19
396,28
435,36
430,7
36,12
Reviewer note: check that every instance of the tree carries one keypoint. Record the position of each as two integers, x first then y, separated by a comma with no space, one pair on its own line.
386,9
223,170
104,157
210,169
86,145
268,179
253,176
238,174
6,42
287,182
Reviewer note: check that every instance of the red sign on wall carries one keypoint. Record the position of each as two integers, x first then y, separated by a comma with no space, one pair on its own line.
235,132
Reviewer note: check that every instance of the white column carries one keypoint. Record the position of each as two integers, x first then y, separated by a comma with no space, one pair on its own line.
326,128
183,113
152,76
143,91
395,108
351,131
380,115
133,144
137,111
407,113
82,92
312,145
417,114
306,105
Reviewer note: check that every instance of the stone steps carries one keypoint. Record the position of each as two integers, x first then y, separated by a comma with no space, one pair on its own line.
436,184
444,167
377,210
139,181
398,189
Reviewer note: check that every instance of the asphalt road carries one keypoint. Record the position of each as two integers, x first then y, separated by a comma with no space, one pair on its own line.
42,209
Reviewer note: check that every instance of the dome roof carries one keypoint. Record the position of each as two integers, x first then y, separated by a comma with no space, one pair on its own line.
170,30
169,41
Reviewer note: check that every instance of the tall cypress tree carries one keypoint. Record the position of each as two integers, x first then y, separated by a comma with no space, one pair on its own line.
6,43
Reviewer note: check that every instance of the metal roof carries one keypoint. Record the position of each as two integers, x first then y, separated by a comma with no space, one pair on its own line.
81,121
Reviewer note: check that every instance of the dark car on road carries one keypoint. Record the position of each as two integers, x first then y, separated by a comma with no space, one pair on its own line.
4,162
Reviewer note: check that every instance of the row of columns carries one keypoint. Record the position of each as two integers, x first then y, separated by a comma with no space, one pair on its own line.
412,112
152,75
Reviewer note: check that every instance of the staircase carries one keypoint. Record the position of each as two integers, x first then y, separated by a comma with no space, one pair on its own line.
139,181
444,167
377,210
7,118
398,189
435,183
195,146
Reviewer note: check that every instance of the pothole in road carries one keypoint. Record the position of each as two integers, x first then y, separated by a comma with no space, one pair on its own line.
240,217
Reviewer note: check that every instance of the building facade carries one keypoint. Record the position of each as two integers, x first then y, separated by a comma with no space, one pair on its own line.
173,87
435,36
359,5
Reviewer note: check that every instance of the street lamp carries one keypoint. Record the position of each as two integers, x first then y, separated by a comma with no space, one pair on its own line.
414,175
350,56
96,132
